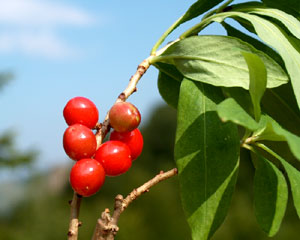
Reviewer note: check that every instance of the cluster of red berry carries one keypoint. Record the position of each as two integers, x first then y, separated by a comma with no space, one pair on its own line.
113,157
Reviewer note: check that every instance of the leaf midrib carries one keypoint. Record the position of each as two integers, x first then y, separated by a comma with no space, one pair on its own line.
192,57
204,149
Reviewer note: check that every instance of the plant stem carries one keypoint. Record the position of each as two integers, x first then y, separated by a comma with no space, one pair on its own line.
204,23
268,150
106,227
217,10
74,222
146,186
265,148
131,88
246,146
178,21
164,36
224,5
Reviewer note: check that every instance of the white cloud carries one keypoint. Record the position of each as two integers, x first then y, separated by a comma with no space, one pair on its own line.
31,27
38,44
34,12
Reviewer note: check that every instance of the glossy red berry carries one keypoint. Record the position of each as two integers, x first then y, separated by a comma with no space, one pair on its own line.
124,117
133,139
87,176
81,110
115,157
79,142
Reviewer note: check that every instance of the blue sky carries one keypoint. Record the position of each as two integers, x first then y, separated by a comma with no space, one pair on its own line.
61,49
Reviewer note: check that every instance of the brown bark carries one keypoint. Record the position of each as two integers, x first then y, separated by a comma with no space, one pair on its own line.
106,227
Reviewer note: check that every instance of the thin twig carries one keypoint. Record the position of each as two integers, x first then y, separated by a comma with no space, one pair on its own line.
146,186
107,227
74,222
131,88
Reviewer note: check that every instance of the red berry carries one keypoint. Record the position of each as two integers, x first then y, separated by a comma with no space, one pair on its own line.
124,117
115,157
87,176
81,110
79,142
133,139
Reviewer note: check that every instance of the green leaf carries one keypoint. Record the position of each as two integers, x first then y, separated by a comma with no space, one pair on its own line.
272,131
169,79
199,7
292,24
276,100
230,110
168,88
217,60
289,6
247,4
241,96
170,70
294,41
273,35
258,80
266,131
206,154
294,179
231,31
270,196
293,176
282,100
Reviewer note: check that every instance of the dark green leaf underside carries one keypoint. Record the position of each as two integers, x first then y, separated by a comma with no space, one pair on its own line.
270,196
206,153
282,100
199,7
168,89
294,178
289,6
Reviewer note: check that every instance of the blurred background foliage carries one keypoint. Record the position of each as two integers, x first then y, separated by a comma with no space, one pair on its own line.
42,210
10,156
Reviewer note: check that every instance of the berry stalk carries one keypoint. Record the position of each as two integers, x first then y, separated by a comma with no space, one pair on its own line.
130,89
